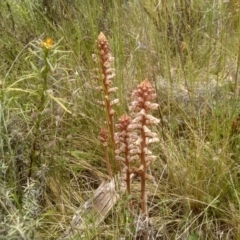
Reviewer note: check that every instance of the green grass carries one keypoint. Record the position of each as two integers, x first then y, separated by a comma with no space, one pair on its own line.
189,51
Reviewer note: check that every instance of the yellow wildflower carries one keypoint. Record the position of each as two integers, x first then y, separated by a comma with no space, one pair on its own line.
48,43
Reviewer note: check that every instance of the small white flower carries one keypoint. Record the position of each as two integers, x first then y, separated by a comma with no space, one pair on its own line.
111,59
146,129
135,151
152,140
111,76
154,106
151,158
118,158
115,101
107,64
137,119
123,147
134,126
143,112
101,102
152,120
113,89
108,82
147,152
139,140
118,151
151,134
110,70
112,112
133,158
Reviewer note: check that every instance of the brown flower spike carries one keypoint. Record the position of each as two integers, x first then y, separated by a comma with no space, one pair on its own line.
140,111
125,144
103,137
107,76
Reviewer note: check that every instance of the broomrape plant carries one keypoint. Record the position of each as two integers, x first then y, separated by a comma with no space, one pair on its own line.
133,137
107,74
49,120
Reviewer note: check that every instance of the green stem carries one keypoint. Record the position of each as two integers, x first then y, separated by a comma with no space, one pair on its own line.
34,155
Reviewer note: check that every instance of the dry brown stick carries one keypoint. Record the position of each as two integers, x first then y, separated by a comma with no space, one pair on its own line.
95,209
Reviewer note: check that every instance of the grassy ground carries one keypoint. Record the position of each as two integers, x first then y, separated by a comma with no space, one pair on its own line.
50,157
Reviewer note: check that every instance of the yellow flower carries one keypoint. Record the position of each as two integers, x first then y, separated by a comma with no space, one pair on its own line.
48,43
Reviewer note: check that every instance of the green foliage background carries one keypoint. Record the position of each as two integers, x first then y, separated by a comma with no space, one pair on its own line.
48,113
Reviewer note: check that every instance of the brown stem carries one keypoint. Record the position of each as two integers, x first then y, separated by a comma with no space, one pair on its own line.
143,181
110,118
109,170
110,122
128,183
107,77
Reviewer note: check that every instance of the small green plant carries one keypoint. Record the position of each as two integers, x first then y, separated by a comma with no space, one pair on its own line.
44,53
